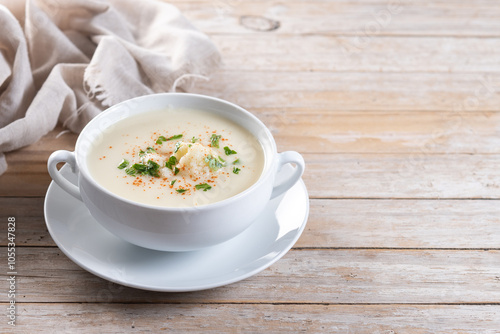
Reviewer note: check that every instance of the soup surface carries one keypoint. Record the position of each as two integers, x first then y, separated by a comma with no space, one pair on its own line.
176,158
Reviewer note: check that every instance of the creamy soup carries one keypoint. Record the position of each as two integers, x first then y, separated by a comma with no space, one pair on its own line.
176,158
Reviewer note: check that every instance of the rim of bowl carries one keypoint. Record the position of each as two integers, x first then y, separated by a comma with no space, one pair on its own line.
224,202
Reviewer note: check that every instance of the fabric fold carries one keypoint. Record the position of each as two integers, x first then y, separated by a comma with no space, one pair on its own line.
66,61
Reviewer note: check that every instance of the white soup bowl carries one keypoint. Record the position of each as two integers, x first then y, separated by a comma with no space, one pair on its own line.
169,228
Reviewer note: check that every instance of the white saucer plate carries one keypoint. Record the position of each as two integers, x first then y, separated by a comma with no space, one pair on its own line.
98,251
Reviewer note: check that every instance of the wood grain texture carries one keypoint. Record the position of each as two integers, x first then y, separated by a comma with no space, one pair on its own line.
395,106
29,213
368,91
402,176
340,223
333,53
348,319
27,174
402,224
382,131
301,276
364,19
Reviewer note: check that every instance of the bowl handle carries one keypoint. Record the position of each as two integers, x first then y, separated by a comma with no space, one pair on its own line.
55,174
285,158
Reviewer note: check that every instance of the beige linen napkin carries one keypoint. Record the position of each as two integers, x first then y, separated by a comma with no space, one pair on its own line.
67,60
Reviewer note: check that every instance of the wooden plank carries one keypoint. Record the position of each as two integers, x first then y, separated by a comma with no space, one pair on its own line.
402,224
293,53
339,223
330,131
361,91
30,222
365,135
27,167
366,18
113,318
382,131
417,175
422,175
301,276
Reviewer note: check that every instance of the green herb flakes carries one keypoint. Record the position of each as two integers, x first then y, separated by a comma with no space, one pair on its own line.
213,163
149,149
130,171
194,140
150,168
153,168
214,140
229,151
236,162
175,137
140,168
181,191
123,164
171,162
236,170
160,140
172,182
203,186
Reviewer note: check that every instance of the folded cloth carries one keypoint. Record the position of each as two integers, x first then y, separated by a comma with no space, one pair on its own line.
67,60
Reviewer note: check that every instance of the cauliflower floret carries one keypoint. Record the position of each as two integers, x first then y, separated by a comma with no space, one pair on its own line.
182,148
151,156
193,158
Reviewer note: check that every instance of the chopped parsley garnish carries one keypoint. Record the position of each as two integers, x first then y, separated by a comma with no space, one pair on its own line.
204,186
229,151
180,191
160,140
150,168
171,162
194,140
175,137
172,182
236,162
140,168
213,163
214,140
177,146
222,159
148,150
123,164
130,171
153,168
236,170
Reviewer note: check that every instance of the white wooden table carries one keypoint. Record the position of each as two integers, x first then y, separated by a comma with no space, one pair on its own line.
395,106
